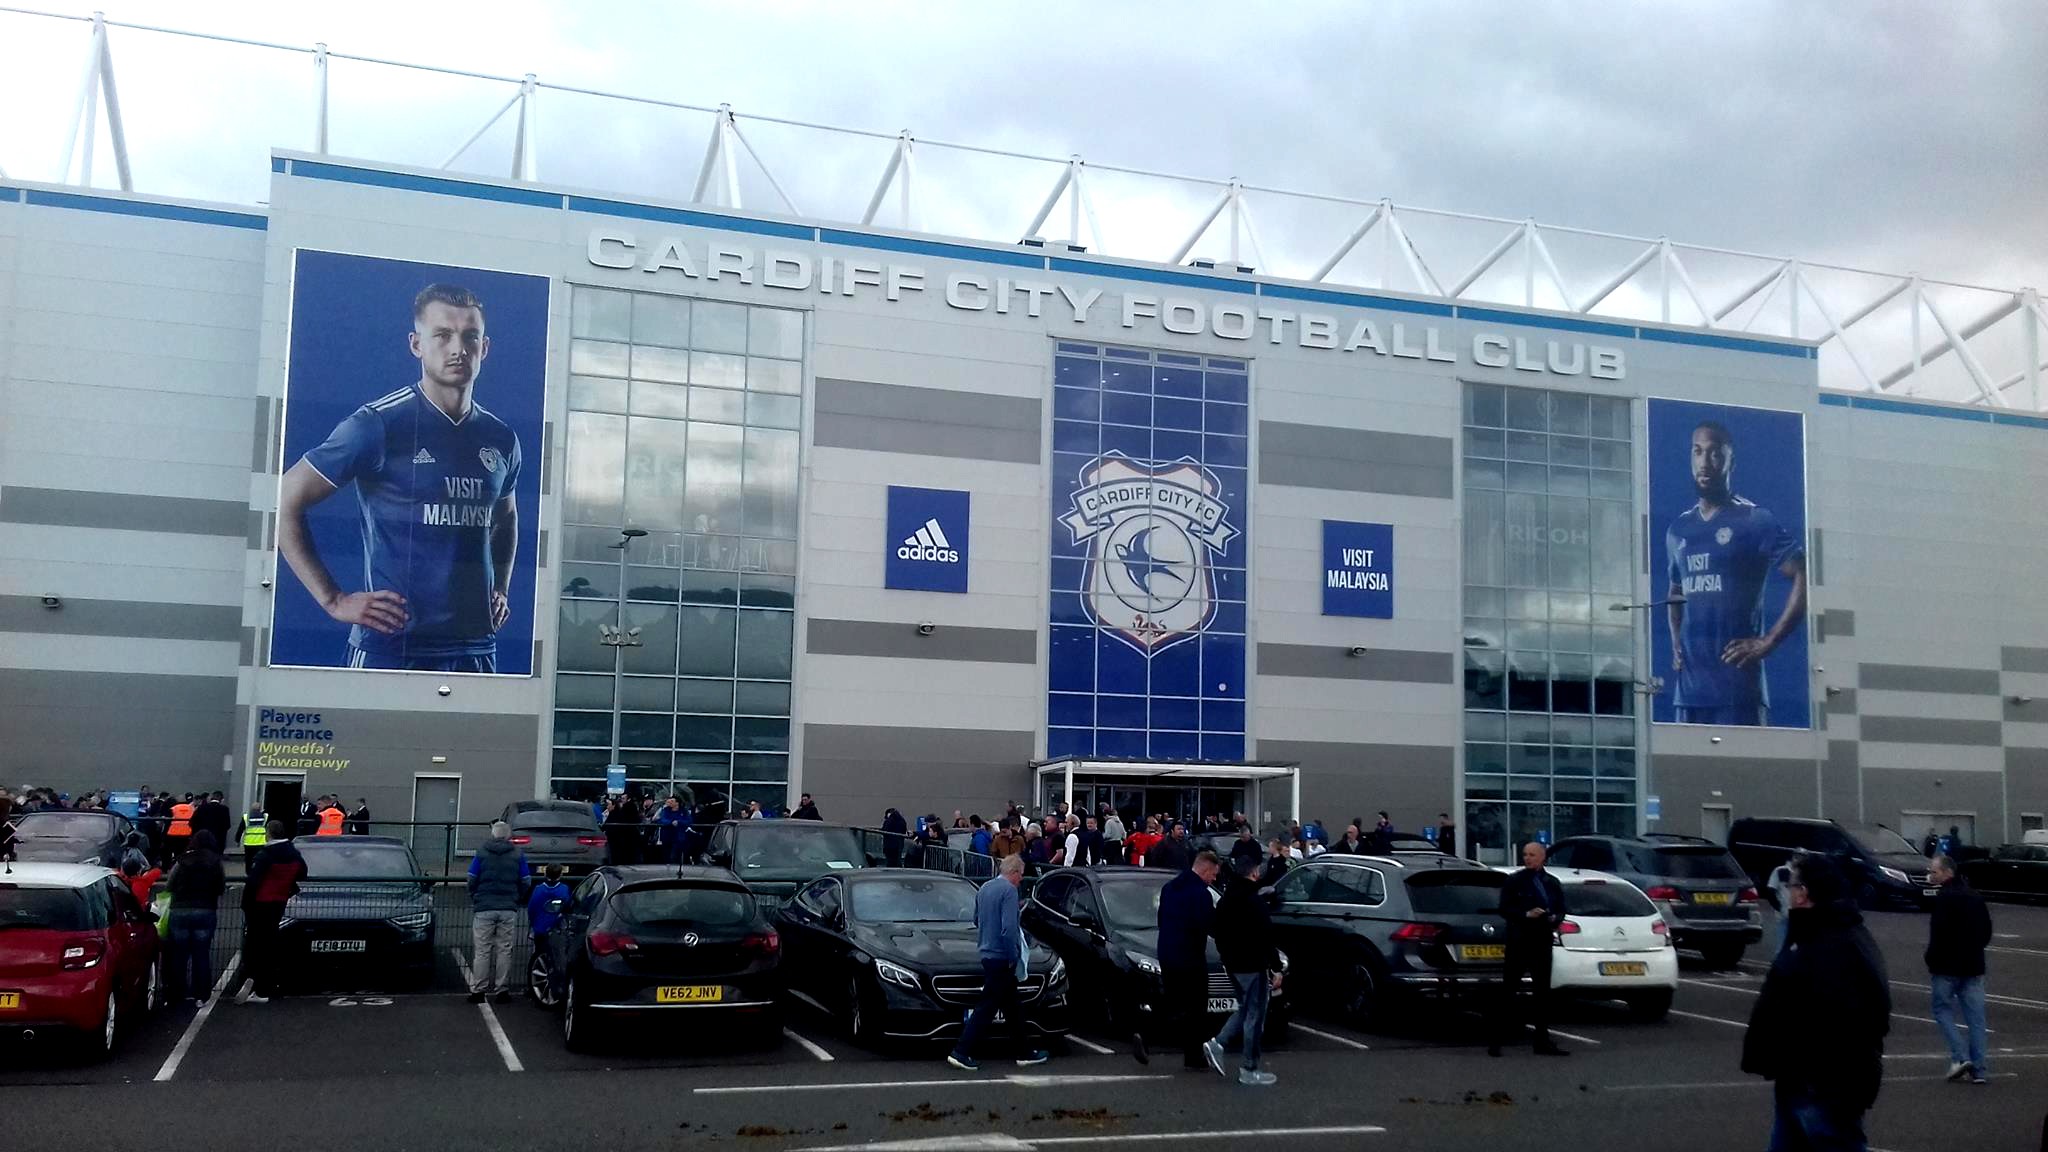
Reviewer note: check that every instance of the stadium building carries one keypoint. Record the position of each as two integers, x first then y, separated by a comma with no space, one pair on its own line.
443,491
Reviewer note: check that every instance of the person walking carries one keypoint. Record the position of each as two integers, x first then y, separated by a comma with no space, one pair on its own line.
498,876
1957,934
1244,937
212,815
1817,1029
359,817
332,818
196,885
1446,834
1187,916
544,907
806,809
1532,903
1000,943
1351,844
1780,884
180,831
673,820
1112,835
253,834
1245,853
272,881
1172,852
622,831
1143,841
893,828
1278,861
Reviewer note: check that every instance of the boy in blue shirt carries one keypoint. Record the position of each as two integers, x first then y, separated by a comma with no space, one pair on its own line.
543,908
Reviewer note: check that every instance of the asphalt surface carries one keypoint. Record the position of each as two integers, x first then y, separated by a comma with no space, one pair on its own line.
430,1071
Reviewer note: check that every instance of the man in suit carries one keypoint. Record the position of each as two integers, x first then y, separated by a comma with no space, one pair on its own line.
1532,903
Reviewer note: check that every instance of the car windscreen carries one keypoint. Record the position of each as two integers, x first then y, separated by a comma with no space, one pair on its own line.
806,851
940,900
1882,841
1132,903
1455,893
1606,900
714,906
65,825
356,861
1688,863
554,820
57,909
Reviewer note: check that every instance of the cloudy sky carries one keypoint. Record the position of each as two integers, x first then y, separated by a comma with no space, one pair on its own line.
1887,135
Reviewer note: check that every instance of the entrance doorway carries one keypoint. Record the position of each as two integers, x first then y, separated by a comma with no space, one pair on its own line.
1915,826
1265,793
281,795
1714,821
436,802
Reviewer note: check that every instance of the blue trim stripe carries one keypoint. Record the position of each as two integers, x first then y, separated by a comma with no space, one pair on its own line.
1561,323
932,248
689,217
438,185
2018,420
1732,343
1153,276
143,208
1355,299
1937,411
1834,400
280,165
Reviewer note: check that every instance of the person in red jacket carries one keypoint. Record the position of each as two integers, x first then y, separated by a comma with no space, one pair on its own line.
273,879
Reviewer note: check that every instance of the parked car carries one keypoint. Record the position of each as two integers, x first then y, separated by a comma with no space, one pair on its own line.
561,832
892,952
1373,936
1883,868
2014,871
1614,944
78,954
60,836
776,857
362,906
642,942
1696,884
1103,922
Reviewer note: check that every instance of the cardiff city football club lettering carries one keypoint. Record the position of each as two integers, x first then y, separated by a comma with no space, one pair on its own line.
1152,529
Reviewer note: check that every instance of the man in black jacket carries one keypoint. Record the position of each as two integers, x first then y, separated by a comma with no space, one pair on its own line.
1187,915
1171,852
1244,851
212,815
1532,903
1244,938
1818,1027
1957,934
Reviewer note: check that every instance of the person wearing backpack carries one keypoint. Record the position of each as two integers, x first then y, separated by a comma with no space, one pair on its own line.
197,882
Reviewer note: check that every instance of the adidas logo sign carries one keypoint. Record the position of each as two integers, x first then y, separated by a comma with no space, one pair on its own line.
423,457
928,543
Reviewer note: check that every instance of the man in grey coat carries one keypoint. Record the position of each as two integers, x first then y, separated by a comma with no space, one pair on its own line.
498,875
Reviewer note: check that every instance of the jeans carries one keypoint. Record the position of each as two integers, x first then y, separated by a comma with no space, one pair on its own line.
1967,992
998,995
490,937
1805,1123
191,940
1254,994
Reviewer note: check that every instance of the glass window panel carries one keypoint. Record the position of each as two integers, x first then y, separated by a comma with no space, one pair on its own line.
655,465
1609,418
1571,730
1568,481
780,376
1483,726
1613,641
1484,633
1528,408
1613,693
577,644
644,728
1608,524
705,587
1528,604
1528,683
1609,454
718,405
704,766
651,398
764,646
648,765
670,364
1483,473
712,501
761,699
715,370
647,694
1568,413
1535,788
1572,760
1568,450
1528,635
707,641
659,319
1608,485
1572,608
1616,762
590,544
759,590
1486,787
1527,534
1488,442
596,394
583,692
1528,478
1571,683
771,482
760,766
775,332
1569,786
1529,759
718,327
704,696
1485,679
585,728
1610,820
1483,405
1486,758
599,314
1570,638
582,763
1485,538
710,732
645,583
760,734
656,652
1528,446
1484,602
774,411
595,487
1614,733
596,358
1571,539
1570,820
776,556
1615,791
590,581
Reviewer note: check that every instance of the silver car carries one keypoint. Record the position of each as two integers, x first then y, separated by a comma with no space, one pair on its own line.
557,832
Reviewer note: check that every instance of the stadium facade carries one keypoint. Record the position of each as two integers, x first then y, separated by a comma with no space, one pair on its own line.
940,524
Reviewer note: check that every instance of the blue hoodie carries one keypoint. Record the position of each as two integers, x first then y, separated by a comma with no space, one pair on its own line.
541,917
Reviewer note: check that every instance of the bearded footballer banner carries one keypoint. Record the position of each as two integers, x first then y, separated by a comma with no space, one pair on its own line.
409,505
1728,555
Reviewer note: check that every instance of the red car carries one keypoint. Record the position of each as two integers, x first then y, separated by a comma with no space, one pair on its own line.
77,953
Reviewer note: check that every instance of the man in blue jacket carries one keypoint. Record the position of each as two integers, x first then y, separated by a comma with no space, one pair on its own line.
1001,944
497,891
1187,917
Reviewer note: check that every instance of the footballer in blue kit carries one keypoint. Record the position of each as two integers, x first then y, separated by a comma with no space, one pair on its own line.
1721,553
435,476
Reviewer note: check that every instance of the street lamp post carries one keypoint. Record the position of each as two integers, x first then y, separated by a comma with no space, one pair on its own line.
1646,687
616,636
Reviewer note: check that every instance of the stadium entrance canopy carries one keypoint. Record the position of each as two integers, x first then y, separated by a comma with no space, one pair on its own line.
1267,791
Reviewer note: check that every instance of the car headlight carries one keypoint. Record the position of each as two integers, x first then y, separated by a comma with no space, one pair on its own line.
895,974
414,920
1143,962
1894,874
1058,975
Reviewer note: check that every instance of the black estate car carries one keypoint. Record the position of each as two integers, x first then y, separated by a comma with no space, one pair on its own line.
362,903
776,857
62,836
1883,868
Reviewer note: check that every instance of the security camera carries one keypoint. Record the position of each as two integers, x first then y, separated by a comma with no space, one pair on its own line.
263,583
1714,739
1355,650
53,601
444,690
926,628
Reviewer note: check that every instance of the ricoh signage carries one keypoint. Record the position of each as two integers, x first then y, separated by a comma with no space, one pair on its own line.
1255,321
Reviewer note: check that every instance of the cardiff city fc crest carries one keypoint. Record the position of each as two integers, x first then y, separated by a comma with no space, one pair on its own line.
1152,531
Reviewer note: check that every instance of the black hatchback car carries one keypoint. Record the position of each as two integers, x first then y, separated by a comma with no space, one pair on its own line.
645,942
1104,924
892,952
1882,867
362,905
65,836
776,857
1368,935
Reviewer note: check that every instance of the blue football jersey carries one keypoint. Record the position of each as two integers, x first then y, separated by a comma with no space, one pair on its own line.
1719,568
429,489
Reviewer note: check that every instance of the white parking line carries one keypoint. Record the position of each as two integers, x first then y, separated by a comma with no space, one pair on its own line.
1760,1082
1575,1036
491,1024
2018,951
1018,1081
998,1142
1091,1045
177,1055
1709,1019
1989,997
809,1046
1754,992
1330,1036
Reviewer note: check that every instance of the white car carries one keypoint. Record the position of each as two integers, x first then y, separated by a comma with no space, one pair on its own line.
1613,944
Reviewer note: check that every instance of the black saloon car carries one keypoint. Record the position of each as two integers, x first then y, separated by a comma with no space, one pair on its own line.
1104,923
563,832
362,905
2011,871
646,942
776,857
1367,933
64,836
892,952
1884,869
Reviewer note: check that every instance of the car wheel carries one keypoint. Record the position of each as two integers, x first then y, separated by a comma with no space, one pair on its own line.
1360,993
103,1041
1866,896
153,987
861,1022
577,1027
540,982
1722,957
1650,1007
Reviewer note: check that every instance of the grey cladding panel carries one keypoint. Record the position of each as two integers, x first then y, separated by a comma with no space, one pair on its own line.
920,745
947,642
1354,460
121,510
1333,662
121,618
1839,622
1842,703
2014,659
926,421
1923,730
89,729
1923,678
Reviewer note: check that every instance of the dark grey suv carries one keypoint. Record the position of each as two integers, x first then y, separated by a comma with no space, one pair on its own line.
1697,885
1367,935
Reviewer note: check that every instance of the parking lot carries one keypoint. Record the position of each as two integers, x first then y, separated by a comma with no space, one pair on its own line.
371,1068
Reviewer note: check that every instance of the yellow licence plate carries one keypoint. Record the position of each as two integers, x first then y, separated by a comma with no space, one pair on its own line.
1712,898
690,994
10,1001
1483,952
1624,968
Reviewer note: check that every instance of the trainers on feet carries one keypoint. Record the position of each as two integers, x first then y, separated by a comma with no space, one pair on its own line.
963,1063
1977,1077
1255,1078
1039,1056
1214,1052
503,998
1138,1050
252,998
476,997
1958,1070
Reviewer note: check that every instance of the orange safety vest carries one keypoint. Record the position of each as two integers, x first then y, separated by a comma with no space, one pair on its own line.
330,822
181,820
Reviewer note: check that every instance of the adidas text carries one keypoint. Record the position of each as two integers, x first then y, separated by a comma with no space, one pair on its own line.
927,552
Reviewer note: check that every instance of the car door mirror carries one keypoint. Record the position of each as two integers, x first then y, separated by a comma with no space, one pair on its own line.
1084,920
